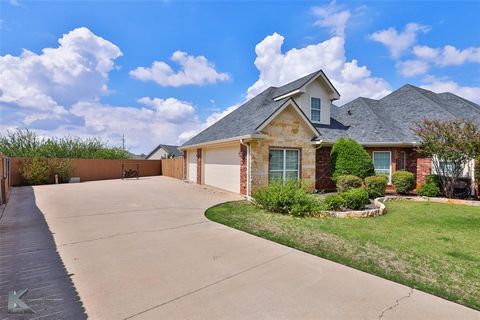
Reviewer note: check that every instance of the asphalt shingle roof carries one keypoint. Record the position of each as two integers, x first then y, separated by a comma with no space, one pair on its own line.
393,117
170,149
389,119
243,121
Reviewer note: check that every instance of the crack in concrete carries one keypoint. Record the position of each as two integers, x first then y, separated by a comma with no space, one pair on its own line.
208,285
396,304
132,232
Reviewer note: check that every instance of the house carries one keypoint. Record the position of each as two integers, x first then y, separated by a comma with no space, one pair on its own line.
288,132
163,151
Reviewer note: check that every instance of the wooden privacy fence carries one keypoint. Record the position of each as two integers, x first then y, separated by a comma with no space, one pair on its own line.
173,167
5,166
100,169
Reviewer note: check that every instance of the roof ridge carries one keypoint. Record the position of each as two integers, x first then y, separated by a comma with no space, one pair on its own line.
430,100
308,78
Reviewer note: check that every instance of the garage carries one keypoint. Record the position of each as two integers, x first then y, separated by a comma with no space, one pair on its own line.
222,167
192,165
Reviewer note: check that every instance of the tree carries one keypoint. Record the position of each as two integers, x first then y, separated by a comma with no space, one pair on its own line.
451,145
350,158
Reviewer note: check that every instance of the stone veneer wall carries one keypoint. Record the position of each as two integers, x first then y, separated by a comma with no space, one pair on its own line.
199,166
243,169
286,130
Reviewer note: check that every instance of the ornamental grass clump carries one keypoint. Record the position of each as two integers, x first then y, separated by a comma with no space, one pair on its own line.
289,197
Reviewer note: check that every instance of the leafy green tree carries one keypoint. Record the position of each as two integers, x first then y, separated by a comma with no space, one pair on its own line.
451,145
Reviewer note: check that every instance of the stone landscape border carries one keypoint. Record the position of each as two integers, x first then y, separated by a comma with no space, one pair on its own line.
380,208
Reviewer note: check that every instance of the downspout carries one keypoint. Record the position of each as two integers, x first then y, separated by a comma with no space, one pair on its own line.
248,166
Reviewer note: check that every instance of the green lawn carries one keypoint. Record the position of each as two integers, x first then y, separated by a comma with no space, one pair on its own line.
429,246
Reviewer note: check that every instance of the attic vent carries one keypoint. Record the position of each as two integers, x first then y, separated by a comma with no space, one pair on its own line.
349,112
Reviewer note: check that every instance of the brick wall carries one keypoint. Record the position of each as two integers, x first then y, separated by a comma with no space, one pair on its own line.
199,166
323,169
424,168
243,169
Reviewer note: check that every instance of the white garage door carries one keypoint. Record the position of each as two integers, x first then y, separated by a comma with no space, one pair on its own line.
222,168
192,165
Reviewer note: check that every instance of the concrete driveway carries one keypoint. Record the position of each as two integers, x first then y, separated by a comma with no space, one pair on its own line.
142,249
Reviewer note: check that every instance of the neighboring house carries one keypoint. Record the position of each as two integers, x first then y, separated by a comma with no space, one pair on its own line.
162,151
288,132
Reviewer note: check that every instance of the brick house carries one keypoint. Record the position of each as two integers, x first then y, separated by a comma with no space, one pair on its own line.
288,132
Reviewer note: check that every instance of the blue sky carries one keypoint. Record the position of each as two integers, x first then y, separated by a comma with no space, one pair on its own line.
99,80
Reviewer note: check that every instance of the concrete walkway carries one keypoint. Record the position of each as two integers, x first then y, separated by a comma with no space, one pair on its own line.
142,249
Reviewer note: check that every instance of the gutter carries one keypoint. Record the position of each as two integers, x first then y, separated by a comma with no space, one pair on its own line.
371,144
244,137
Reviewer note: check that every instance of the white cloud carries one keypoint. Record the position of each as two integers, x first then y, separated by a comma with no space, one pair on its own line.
446,85
278,68
426,57
214,117
58,77
171,109
193,71
333,17
410,68
57,92
425,52
397,42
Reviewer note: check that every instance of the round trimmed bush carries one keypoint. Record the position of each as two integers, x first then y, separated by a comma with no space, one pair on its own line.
355,199
350,158
345,183
403,181
376,185
429,190
334,202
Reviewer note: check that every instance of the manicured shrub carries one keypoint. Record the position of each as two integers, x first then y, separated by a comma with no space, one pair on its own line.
34,171
347,182
429,190
433,178
403,181
350,158
291,197
376,185
334,202
355,199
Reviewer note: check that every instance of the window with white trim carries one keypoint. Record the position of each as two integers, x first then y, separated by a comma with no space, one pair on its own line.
382,162
284,164
315,109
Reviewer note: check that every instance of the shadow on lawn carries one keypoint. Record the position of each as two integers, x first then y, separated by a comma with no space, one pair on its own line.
29,259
